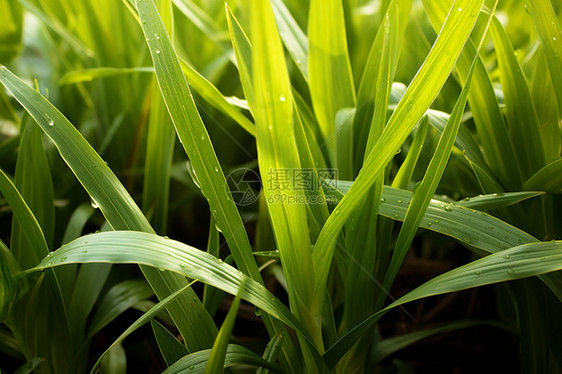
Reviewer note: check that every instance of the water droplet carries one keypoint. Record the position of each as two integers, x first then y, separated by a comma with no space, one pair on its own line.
144,21
387,30
257,311
395,215
399,201
157,51
282,98
448,52
84,251
50,121
216,170
436,221
202,137
506,256
94,204
49,254
182,266
63,258
466,239
156,36
447,208
429,223
460,9
510,271
554,38
166,237
382,200
477,272
474,13
410,105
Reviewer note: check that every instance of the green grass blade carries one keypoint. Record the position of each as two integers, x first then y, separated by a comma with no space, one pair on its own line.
488,118
212,297
521,115
329,71
548,179
112,199
160,144
293,37
194,137
126,247
118,299
215,363
25,217
88,75
278,160
272,351
170,348
420,94
235,355
497,200
548,28
515,263
33,180
426,189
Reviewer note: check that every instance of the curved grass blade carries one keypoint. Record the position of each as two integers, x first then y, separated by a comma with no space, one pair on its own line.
215,363
515,263
8,271
113,200
127,247
235,355
419,95
272,351
548,179
25,217
118,299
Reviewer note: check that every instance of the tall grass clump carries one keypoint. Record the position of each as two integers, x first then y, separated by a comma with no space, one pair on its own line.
254,179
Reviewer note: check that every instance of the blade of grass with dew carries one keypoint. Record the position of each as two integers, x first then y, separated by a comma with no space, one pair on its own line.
117,300
488,118
194,137
114,202
522,119
329,71
126,247
235,355
278,154
420,94
170,348
475,229
548,179
397,12
548,27
426,189
497,200
215,363
515,263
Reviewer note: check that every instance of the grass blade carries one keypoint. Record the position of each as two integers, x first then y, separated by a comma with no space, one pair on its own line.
414,103
170,348
548,179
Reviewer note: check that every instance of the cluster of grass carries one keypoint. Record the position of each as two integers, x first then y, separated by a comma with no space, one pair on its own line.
137,119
